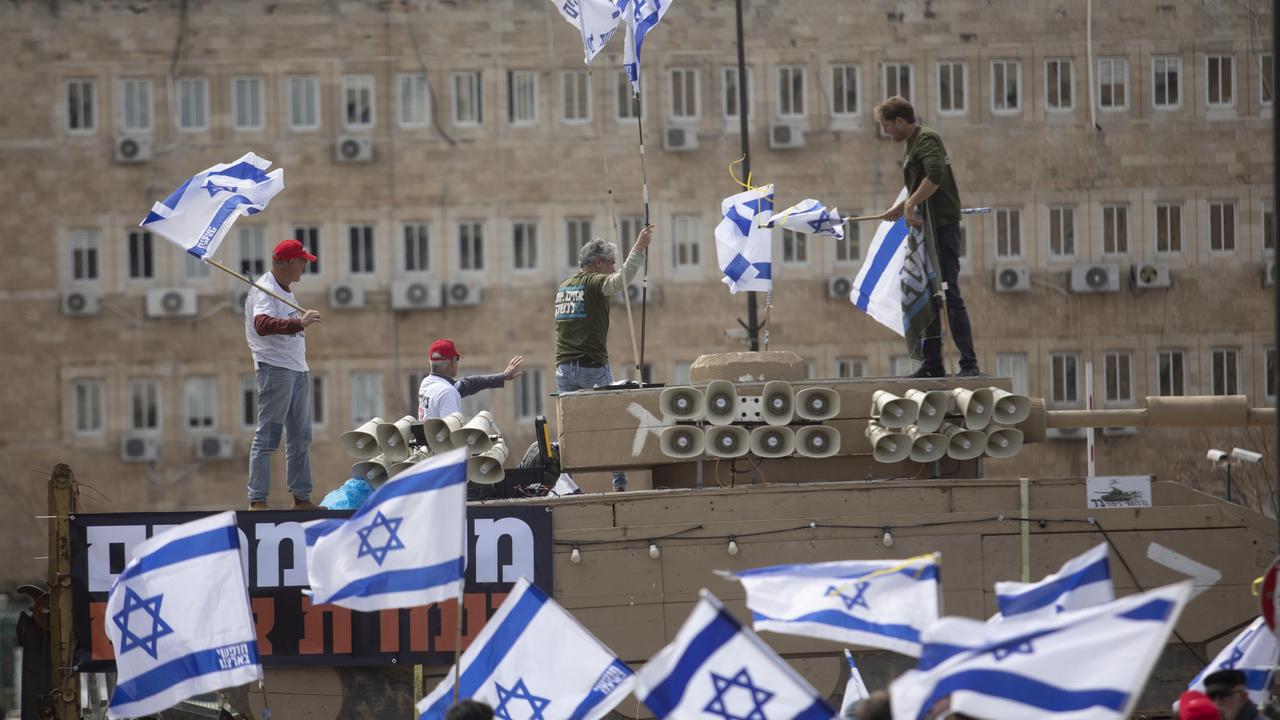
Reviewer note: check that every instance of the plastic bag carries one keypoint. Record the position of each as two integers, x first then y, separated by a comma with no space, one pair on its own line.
350,496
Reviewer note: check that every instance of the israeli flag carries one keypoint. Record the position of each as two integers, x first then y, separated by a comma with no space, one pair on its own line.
596,20
716,667
1253,652
1089,664
533,660
744,247
179,619
641,17
403,548
877,289
812,218
874,603
1083,581
198,215
855,690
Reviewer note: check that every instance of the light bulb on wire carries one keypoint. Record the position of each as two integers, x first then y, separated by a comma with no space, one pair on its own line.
654,552
575,557
733,545
887,540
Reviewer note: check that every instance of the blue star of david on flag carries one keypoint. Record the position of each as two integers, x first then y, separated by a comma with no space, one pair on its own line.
743,244
519,691
1002,652
810,217
392,541
129,639
756,696
215,188
858,599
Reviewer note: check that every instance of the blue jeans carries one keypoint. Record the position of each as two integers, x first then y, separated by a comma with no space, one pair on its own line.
284,408
571,376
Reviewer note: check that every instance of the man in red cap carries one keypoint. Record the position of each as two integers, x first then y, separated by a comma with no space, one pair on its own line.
440,394
274,332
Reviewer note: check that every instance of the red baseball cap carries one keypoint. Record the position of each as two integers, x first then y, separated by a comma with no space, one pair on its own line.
1194,705
443,350
291,249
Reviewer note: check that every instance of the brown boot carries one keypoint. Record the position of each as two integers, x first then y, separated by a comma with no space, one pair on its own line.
258,505
300,504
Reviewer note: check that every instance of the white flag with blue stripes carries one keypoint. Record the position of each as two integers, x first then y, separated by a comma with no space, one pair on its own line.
874,603
403,548
200,213
744,244
811,218
715,667
1253,652
179,619
855,690
1090,664
640,17
596,20
532,659
1081,582
877,288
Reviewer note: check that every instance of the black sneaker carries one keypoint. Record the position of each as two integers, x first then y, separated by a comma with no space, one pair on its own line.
925,372
969,372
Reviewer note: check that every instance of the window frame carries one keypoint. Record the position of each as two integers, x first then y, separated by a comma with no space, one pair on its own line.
181,87
525,245
206,387
1226,223
369,382
91,105
148,256
475,82
89,242
731,118
1068,83
786,94
684,72
158,399
795,248
415,255
1173,67
474,253
259,238
258,84
1178,381
1006,63
97,387
413,97
1234,370
692,247
1230,58
901,67
147,106
1170,208
515,86
359,83
580,80
1118,208
362,249
1007,366
847,70
964,87
529,391
1123,377
310,86
1112,61
1064,212
1014,230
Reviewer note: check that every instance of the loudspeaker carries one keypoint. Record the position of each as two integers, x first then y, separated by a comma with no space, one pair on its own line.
475,436
727,441
975,406
1008,408
933,408
681,441
963,444
440,432
681,403
1004,442
817,441
722,402
771,441
375,470
817,403
486,468
362,443
414,458
926,446
893,411
393,438
887,445
777,402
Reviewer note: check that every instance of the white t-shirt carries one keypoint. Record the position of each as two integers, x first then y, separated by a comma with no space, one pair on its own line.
438,398
286,351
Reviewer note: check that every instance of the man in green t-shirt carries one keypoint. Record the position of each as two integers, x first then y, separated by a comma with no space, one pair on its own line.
932,194
582,316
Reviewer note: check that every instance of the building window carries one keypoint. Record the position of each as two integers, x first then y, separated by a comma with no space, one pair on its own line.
896,80
1065,378
731,89
1268,225
1166,81
851,367
522,98
193,268
686,241
1008,232
524,245
849,250
304,103
144,404
417,247
253,250
902,365
81,115
1226,371
357,101
791,91
628,228
309,236
1269,367
577,232
684,94
1169,228
200,398
626,104
795,249
1005,86
467,110
85,248
951,87
246,103
1113,83
319,400
1220,80
193,104
360,249
1222,227
1115,229
249,400
1062,232
844,90
1266,88
470,245
366,397
528,395
135,105
1059,79
413,100
1117,374
88,411
575,96
1014,367
1171,371
141,255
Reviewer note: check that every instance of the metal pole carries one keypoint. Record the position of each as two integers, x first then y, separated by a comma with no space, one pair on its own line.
64,700
1226,469
753,328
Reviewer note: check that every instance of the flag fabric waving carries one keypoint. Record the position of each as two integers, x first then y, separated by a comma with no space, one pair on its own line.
179,619
876,603
1255,653
640,17
532,659
198,215
1081,582
876,289
1089,664
596,20
744,246
403,548
810,217
855,689
717,667
919,282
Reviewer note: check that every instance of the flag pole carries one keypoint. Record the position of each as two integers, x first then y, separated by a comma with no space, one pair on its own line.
644,185
242,278
753,330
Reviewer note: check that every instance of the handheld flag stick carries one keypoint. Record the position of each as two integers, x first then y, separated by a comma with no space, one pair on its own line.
965,211
242,278
644,282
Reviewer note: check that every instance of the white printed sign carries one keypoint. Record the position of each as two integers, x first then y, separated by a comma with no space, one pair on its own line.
1118,491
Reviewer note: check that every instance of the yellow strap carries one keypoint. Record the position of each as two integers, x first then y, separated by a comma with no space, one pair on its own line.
927,557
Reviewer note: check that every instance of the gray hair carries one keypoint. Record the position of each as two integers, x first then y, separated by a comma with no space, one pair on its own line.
440,367
598,249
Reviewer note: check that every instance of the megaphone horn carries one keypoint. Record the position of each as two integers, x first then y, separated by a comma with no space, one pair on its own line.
1010,408
817,441
475,434
887,445
893,411
817,403
486,468
1004,442
440,432
721,402
963,444
771,441
414,458
933,408
727,441
362,443
777,402
681,441
393,438
926,446
975,406
375,470
681,403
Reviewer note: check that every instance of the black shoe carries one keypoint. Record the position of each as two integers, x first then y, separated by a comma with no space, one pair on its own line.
969,372
925,372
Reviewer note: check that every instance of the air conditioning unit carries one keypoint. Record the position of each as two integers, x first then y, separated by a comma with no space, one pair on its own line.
346,297
1067,433
785,136
679,138
652,297
839,287
1150,276
350,149
1269,273
1095,278
214,447
459,293
133,148
238,299
1119,431
139,448
171,302
81,302
1012,279
415,294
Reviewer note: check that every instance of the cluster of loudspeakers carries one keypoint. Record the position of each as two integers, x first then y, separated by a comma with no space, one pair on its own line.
717,410
922,425
385,449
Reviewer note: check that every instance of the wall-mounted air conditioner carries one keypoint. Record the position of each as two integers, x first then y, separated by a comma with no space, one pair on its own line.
171,302
1095,278
839,287
1012,279
786,135
214,447
1149,276
460,293
139,448
415,294
679,138
133,148
346,297
352,149
81,302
